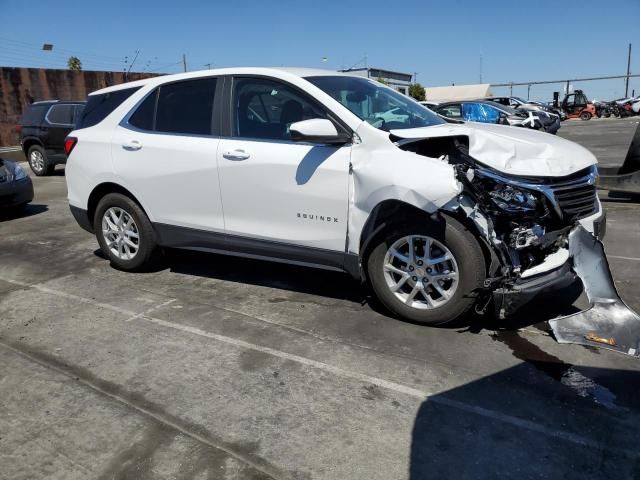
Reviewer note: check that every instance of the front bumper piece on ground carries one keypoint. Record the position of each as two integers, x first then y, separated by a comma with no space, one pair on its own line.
609,322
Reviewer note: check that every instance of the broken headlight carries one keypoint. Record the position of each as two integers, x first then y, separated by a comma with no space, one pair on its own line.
512,199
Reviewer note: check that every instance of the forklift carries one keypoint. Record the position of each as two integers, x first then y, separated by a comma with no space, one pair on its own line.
576,105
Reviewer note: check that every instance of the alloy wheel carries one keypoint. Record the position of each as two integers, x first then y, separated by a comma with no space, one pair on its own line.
36,160
120,233
421,272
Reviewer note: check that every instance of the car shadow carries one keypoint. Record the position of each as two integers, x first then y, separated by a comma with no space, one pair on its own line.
341,286
264,273
517,424
28,210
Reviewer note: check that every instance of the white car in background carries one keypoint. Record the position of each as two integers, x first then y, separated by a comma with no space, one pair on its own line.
287,165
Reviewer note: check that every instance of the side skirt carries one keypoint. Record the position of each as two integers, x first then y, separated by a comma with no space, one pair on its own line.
217,242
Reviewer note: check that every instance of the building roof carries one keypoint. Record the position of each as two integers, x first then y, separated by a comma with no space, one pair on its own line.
458,92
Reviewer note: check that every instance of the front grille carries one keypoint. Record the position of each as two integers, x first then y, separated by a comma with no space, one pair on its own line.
576,195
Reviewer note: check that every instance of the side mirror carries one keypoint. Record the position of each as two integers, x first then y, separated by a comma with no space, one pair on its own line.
317,130
502,119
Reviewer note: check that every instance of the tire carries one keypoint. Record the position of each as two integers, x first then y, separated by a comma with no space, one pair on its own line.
585,116
468,263
140,258
38,161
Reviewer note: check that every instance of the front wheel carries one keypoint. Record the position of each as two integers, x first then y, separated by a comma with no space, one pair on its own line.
428,273
585,116
124,233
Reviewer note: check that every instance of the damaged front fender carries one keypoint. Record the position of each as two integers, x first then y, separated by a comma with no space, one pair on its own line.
609,323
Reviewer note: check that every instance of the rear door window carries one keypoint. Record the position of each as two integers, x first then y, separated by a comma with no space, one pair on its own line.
185,107
98,107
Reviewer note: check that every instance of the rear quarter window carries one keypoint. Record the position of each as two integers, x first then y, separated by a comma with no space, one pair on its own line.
61,114
98,107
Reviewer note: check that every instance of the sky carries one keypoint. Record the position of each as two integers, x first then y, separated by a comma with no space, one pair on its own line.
441,41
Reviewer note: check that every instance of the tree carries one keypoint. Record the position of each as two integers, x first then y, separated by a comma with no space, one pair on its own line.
74,63
417,91
381,80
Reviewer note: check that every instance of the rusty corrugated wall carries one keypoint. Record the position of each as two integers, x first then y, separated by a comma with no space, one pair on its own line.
21,86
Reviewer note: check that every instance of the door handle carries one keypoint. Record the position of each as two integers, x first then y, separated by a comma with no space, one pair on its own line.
132,145
237,154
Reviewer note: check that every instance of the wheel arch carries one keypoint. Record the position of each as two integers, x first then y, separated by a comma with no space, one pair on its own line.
103,189
388,214
29,142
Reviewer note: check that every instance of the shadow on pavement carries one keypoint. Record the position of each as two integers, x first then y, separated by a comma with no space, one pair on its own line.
501,427
23,212
268,274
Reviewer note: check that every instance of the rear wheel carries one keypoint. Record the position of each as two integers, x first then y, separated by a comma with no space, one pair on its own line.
39,162
124,233
585,116
427,274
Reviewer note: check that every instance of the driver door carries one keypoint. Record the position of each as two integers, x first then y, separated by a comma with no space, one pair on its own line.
274,190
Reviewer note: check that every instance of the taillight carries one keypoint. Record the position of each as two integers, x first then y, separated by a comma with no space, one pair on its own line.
69,143
18,128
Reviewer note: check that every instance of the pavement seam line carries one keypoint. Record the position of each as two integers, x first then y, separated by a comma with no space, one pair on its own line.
619,257
152,309
143,411
324,338
399,388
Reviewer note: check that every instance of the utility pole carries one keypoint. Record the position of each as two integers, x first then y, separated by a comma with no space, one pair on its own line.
415,77
626,82
528,91
184,62
480,68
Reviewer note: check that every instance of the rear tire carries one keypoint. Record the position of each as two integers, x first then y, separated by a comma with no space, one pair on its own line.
125,234
585,116
39,162
449,238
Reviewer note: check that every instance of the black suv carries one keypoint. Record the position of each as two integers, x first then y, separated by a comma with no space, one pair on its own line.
43,128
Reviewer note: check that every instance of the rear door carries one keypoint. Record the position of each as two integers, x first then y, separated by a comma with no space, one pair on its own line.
165,152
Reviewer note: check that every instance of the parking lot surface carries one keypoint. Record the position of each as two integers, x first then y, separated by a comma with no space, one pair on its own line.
607,138
226,368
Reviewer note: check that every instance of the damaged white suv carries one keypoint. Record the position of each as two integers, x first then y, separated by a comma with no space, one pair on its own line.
303,166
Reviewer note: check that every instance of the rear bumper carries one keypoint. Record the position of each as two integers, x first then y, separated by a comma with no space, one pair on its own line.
54,156
82,217
16,193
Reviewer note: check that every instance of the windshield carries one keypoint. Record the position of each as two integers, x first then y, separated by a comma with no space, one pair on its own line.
382,107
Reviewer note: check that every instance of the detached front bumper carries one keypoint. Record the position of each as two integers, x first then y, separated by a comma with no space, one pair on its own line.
508,300
16,193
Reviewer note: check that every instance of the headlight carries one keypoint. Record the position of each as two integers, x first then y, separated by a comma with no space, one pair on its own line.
19,173
513,200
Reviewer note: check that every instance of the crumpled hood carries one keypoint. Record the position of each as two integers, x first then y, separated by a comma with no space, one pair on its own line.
512,150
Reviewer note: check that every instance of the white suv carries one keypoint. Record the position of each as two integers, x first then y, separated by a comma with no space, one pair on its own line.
307,167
